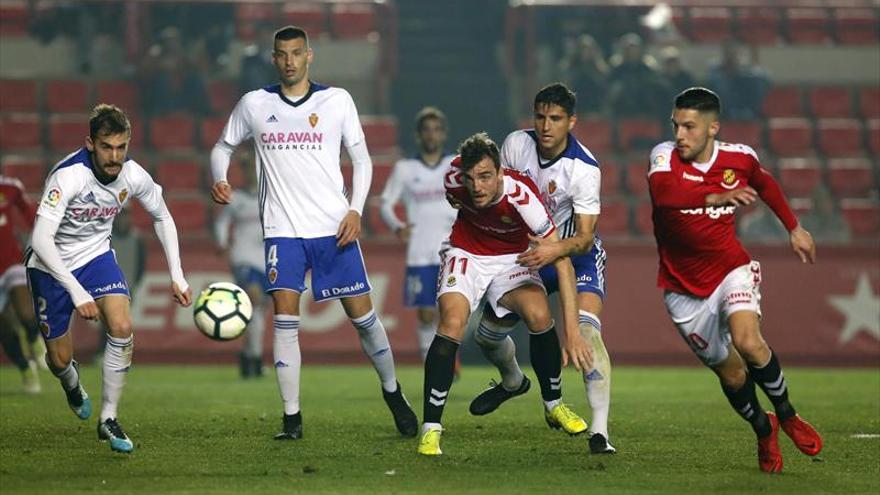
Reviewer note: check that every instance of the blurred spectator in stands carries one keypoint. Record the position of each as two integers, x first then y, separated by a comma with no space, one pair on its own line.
741,85
584,69
635,87
257,68
677,79
761,226
171,81
824,221
94,29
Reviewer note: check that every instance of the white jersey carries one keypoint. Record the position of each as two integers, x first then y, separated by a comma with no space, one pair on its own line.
86,208
421,188
569,183
243,215
297,145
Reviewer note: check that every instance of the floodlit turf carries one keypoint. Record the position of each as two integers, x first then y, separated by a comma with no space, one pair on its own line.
202,430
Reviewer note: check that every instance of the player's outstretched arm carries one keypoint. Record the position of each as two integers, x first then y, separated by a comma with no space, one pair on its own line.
574,347
43,244
150,195
803,245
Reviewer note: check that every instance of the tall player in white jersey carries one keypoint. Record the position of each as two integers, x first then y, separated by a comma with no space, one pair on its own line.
418,181
298,128
72,268
244,248
568,177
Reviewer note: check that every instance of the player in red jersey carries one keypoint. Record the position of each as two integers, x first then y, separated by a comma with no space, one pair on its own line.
13,282
499,212
711,283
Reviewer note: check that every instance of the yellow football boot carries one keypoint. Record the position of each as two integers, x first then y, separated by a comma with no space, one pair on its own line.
429,442
562,417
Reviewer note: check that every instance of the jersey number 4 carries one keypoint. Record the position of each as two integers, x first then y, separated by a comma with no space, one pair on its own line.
272,257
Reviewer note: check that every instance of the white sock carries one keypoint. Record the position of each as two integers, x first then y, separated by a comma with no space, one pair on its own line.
253,338
374,342
69,377
117,362
426,333
598,380
550,404
500,350
288,360
431,426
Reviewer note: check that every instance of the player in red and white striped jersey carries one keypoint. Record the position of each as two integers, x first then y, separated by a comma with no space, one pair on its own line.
711,283
499,212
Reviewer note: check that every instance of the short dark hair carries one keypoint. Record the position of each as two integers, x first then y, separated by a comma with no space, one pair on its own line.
429,113
107,120
288,33
557,94
477,147
700,99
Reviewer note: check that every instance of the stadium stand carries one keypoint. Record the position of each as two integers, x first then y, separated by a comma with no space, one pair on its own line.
791,136
840,137
830,102
68,96
851,177
758,25
863,216
20,131
807,25
799,176
123,94
172,132
783,101
18,95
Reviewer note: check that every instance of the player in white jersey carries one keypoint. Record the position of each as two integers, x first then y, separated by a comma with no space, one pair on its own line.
245,253
568,177
72,268
298,128
418,182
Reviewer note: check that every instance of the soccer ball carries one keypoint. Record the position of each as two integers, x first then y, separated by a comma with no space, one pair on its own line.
223,311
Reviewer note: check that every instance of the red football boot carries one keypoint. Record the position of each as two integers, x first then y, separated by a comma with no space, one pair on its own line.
769,455
804,436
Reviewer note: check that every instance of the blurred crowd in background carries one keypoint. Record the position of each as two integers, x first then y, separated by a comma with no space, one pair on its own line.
183,65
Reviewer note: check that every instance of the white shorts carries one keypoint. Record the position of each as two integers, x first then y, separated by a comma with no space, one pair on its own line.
703,322
474,276
14,276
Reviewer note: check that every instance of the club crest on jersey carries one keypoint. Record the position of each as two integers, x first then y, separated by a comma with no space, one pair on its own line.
551,187
313,119
450,281
273,275
728,179
53,197
122,195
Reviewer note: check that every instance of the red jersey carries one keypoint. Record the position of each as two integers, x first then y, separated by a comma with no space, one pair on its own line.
697,244
503,227
12,198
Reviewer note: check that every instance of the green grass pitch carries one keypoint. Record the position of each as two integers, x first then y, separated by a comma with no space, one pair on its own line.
201,430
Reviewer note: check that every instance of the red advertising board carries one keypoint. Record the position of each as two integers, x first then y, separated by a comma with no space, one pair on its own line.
823,314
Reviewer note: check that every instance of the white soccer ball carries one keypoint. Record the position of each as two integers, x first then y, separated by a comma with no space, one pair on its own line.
223,311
